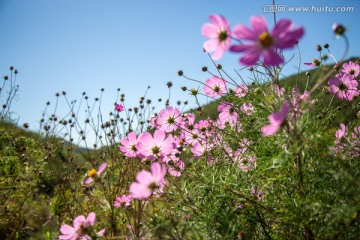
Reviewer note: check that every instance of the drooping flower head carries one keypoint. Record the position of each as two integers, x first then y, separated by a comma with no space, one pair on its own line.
147,182
344,86
80,228
264,43
220,36
214,87
276,119
93,174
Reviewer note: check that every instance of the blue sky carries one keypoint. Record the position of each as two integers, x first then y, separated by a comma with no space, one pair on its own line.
85,45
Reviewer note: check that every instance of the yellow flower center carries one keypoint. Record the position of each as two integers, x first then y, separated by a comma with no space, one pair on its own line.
92,173
265,39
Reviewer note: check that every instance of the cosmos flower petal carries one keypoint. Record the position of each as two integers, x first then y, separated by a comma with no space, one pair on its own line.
67,237
271,58
78,221
282,26
219,51
259,24
269,130
241,31
88,181
67,229
211,44
209,30
90,219
102,168
241,47
101,233
250,58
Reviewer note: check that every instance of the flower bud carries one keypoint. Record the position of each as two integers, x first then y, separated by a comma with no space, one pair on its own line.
169,84
338,29
316,62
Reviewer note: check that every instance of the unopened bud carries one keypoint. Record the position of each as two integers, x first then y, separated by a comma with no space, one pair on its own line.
338,29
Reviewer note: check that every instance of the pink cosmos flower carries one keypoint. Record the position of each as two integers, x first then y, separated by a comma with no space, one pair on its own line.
214,87
241,90
129,145
246,162
204,127
351,68
247,108
341,132
310,64
81,226
169,119
93,174
257,193
199,149
148,182
176,168
123,201
227,114
119,107
347,145
219,33
188,119
275,119
265,43
192,137
155,146
344,86
153,121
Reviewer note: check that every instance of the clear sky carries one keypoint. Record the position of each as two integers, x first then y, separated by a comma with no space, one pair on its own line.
85,45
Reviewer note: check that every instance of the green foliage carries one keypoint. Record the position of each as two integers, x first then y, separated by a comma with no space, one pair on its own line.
296,184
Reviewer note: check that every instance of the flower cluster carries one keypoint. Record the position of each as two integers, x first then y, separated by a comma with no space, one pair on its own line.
344,84
346,143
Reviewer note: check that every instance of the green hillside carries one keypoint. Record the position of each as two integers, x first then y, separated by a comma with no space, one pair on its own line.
296,80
